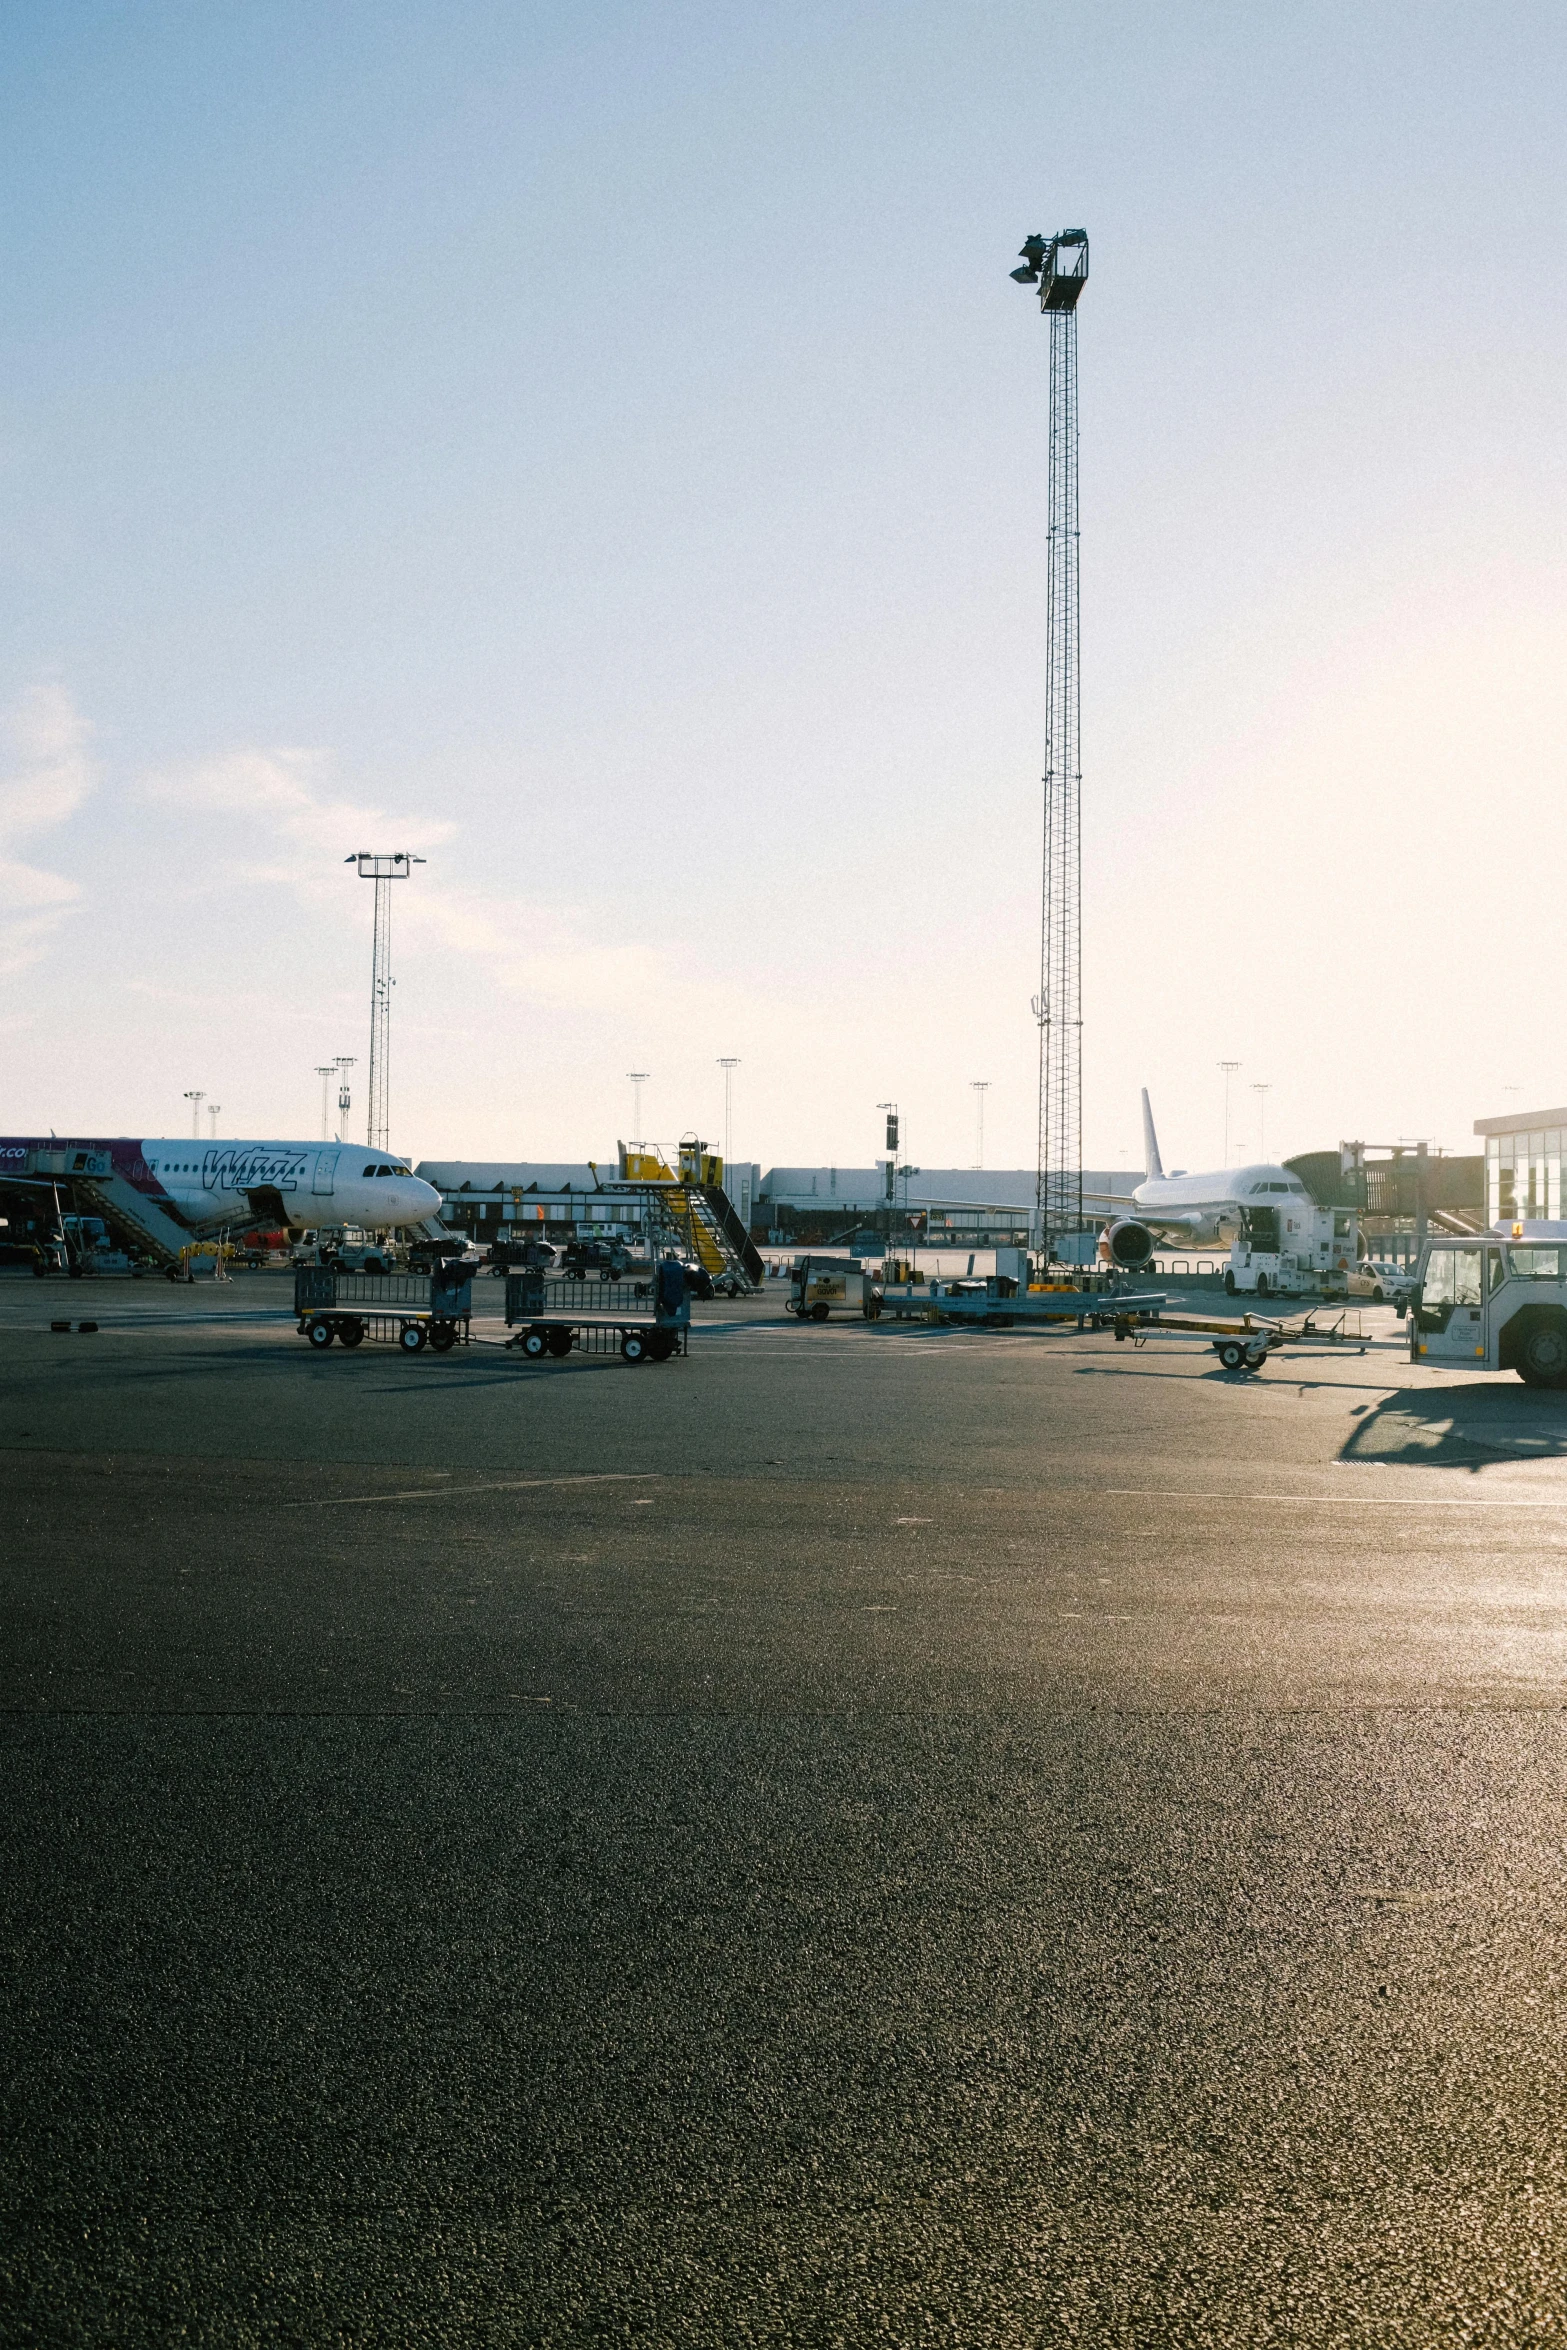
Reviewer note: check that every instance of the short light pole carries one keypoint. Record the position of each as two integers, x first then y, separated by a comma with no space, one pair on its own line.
326,1071
637,1078
214,1110
729,1063
1262,1092
979,1087
383,870
345,1100
1229,1068
195,1100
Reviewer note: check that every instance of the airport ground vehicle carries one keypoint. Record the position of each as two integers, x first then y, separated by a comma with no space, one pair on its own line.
1384,1282
1484,1302
85,1249
822,1286
609,1260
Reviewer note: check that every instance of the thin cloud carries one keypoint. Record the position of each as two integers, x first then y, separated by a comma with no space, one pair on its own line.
49,772
539,952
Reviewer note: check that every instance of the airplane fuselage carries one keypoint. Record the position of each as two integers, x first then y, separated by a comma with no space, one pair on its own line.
1205,1208
208,1186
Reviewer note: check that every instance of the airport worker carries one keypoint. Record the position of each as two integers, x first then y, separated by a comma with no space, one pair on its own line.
671,1287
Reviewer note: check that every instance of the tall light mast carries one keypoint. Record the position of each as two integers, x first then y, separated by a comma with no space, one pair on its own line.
1058,266
383,871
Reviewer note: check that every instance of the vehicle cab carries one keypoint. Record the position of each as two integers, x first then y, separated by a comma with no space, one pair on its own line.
1485,1301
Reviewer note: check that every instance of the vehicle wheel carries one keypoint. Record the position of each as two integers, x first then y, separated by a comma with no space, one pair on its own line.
1232,1355
818,1313
536,1343
411,1338
320,1334
1229,1280
634,1346
661,1346
1377,1295
443,1339
1401,1307
560,1344
351,1333
1542,1354
1262,1284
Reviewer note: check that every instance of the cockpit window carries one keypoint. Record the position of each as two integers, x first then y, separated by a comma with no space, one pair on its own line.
369,1170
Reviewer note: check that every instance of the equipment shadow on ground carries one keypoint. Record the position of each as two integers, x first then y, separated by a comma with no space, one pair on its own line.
1460,1427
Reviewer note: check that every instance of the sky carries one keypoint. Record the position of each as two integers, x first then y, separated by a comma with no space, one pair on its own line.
601,451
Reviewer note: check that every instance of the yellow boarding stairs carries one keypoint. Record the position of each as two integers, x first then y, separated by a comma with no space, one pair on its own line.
697,1210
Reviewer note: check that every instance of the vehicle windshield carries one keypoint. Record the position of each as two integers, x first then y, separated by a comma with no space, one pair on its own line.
1452,1277
1535,1264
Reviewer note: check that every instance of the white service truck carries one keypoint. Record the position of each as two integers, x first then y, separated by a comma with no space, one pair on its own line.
1494,1301
1290,1247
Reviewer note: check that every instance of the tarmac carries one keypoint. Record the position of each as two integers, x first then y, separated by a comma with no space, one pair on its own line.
862,1835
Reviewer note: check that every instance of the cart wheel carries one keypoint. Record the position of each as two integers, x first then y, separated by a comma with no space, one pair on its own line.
320,1333
351,1333
1231,1355
1262,1284
410,1338
443,1338
1229,1280
560,1343
818,1313
661,1346
536,1343
1256,1356
634,1346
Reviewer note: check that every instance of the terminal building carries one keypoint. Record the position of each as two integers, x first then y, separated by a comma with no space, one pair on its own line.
1523,1164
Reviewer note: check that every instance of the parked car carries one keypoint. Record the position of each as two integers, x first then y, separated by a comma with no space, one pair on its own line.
587,1260
1383,1281
425,1254
520,1256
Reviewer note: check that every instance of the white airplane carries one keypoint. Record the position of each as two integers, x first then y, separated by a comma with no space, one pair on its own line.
205,1187
1198,1209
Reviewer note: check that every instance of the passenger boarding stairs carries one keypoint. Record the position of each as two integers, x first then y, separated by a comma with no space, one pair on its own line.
697,1214
137,1222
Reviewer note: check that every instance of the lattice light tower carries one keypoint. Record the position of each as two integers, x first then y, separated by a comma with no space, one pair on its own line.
1058,267
383,871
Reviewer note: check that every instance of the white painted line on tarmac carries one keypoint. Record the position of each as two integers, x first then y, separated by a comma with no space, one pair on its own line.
338,1501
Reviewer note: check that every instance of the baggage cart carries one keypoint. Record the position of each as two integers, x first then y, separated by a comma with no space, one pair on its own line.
634,1324
407,1310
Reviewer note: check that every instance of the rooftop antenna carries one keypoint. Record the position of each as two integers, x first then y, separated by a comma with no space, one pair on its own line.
383,870
1058,267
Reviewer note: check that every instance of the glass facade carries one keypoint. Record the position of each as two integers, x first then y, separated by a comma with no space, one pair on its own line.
1523,1174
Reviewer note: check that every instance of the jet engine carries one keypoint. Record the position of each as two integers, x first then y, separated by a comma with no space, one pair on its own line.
1126,1244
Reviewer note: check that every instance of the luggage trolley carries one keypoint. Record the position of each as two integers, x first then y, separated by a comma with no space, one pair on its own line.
635,1323
409,1310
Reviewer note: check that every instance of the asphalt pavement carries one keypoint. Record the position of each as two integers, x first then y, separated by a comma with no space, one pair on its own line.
861,1835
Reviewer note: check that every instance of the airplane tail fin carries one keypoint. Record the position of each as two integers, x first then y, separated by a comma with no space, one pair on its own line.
1152,1163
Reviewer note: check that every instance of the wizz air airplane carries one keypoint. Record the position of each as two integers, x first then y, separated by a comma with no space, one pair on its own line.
1197,1209
204,1187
